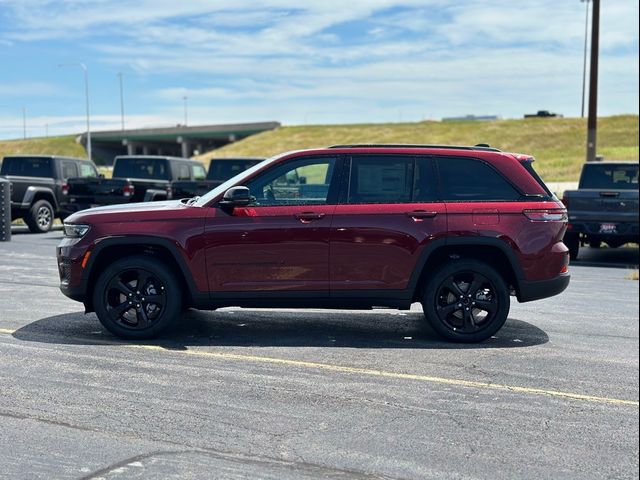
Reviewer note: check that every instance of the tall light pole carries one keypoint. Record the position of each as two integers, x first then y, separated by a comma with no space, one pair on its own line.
86,91
121,101
592,121
584,61
185,110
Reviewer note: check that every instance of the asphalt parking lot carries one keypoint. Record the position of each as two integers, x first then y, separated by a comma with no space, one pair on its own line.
318,394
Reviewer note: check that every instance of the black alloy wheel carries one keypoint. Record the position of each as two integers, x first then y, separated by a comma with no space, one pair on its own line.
466,301
137,297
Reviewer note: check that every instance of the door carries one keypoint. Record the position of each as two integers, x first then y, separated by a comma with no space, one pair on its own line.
280,242
388,216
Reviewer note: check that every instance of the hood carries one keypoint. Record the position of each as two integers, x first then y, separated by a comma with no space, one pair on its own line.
94,214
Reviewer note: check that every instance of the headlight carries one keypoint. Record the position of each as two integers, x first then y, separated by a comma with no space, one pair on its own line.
75,231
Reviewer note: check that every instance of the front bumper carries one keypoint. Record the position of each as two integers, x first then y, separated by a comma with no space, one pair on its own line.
535,290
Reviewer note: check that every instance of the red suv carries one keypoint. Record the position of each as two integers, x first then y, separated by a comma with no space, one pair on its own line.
459,229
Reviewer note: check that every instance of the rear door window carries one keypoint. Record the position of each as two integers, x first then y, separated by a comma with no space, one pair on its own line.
469,179
390,179
143,168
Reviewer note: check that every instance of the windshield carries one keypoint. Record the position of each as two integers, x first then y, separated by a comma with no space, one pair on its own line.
615,177
237,180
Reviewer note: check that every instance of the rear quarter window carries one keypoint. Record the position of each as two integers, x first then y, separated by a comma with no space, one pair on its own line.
468,179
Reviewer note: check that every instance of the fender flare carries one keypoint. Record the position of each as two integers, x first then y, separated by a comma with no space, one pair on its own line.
31,193
434,245
143,240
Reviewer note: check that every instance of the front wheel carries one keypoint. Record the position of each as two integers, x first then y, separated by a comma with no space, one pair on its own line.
466,301
137,297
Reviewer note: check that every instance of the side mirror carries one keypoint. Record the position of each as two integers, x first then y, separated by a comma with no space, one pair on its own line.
236,197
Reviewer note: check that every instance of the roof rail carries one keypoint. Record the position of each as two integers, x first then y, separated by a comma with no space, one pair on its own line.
480,146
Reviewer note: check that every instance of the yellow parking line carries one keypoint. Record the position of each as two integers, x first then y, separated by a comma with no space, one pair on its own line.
382,373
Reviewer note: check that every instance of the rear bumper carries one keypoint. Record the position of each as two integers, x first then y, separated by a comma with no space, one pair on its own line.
536,290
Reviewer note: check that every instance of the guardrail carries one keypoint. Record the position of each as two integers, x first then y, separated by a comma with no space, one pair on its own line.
5,210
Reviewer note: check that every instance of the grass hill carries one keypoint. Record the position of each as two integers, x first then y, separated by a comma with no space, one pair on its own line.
63,146
557,143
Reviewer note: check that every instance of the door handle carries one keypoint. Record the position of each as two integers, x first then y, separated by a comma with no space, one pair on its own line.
306,217
418,215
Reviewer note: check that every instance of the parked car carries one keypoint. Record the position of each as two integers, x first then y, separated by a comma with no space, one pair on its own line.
220,170
39,186
604,209
458,229
136,178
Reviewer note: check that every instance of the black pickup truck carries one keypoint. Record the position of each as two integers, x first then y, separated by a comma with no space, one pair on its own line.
136,178
39,186
604,208
220,170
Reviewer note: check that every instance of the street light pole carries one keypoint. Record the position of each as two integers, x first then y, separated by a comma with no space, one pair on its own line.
185,110
121,101
86,91
584,61
592,122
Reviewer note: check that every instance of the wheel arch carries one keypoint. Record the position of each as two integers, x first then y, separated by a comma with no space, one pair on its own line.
34,194
493,251
112,249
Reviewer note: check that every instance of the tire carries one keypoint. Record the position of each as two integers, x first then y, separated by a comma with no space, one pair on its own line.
137,313
453,298
594,243
40,217
572,241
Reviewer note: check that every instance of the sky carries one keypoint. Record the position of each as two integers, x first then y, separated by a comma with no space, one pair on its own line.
303,62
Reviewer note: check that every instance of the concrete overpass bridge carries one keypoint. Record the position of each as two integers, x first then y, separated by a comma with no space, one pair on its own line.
179,141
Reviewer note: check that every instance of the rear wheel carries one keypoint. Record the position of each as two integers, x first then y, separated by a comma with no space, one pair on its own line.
40,217
137,297
594,243
466,301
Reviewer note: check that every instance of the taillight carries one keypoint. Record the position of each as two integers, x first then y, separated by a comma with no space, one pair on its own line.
547,215
128,190
65,188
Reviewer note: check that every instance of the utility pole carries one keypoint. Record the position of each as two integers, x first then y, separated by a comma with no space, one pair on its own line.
584,60
24,123
86,91
592,122
121,101
185,110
